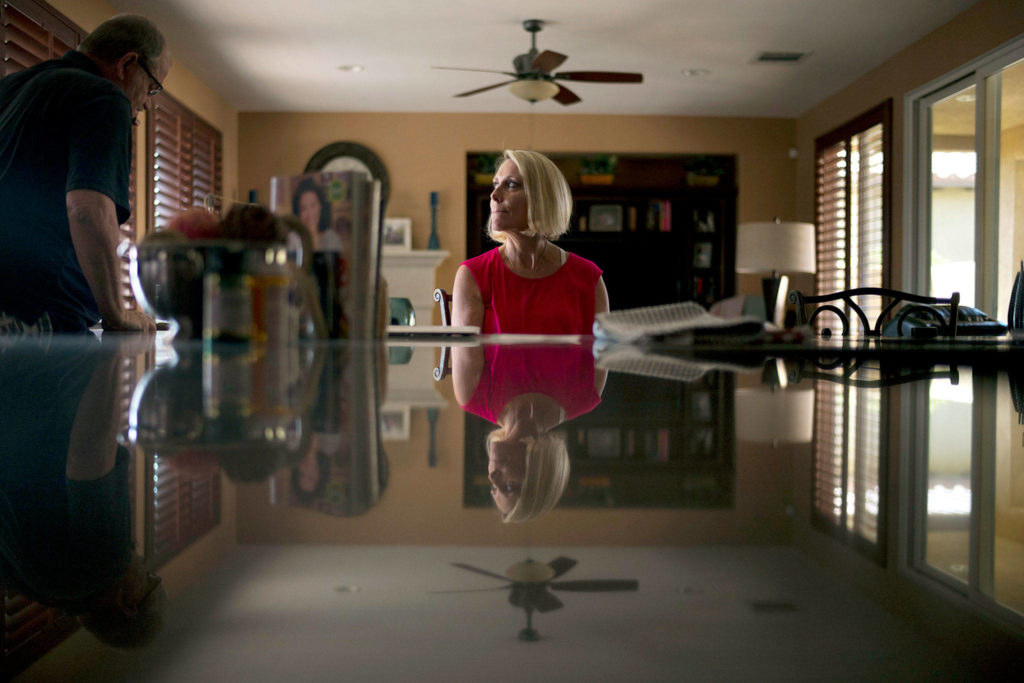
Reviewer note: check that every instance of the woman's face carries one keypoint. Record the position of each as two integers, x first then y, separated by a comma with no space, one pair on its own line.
506,467
309,211
508,199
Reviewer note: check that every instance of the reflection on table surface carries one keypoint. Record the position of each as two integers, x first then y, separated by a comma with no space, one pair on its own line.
620,514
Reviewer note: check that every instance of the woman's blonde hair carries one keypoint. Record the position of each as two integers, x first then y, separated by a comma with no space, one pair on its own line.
546,476
548,198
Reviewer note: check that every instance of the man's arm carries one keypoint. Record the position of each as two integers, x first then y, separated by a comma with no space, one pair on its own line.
94,233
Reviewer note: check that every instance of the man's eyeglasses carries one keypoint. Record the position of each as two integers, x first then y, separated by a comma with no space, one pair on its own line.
159,86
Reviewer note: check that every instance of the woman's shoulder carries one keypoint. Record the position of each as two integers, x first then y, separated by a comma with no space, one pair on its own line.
484,261
580,264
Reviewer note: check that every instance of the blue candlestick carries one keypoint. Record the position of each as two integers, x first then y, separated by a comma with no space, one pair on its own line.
435,240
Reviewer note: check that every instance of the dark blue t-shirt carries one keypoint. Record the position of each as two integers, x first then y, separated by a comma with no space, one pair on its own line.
63,127
61,541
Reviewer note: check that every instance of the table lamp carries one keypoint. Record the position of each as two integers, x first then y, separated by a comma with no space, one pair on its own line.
775,247
775,417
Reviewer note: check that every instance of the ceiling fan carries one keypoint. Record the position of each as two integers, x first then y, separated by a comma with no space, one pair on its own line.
531,583
533,79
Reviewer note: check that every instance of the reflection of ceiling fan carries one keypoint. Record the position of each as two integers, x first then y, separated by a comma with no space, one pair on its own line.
532,582
533,80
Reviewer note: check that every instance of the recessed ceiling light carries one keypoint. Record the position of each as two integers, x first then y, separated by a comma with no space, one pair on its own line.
696,72
351,68
966,97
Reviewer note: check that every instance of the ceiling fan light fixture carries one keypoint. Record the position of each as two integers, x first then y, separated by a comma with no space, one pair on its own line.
533,90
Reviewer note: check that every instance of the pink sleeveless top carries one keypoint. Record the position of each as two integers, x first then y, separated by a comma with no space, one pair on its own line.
562,303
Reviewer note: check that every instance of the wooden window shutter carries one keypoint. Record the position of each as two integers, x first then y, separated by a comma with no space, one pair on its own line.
34,32
185,154
852,205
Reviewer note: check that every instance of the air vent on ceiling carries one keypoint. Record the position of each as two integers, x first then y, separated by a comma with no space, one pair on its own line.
781,57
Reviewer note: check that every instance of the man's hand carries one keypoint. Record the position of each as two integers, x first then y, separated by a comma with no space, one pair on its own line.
130,321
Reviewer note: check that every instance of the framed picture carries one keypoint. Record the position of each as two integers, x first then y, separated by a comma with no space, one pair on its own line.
702,254
704,220
397,235
605,218
394,423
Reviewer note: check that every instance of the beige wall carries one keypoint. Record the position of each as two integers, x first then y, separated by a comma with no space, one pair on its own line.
423,506
426,152
182,84
980,29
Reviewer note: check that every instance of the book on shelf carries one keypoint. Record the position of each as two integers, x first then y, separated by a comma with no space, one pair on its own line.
659,216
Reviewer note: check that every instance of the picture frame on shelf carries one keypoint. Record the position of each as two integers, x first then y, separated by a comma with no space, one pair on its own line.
394,423
605,218
704,220
702,253
397,237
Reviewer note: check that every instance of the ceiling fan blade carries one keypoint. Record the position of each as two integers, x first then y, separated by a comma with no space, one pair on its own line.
600,76
548,60
471,568
561,565
566,96
473,590
486,71
539,599
597,585
489,87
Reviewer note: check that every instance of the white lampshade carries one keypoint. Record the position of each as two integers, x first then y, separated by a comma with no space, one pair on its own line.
533,90
781,416
779,246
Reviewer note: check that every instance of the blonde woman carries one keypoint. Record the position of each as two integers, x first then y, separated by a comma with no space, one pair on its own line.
526,393
527,284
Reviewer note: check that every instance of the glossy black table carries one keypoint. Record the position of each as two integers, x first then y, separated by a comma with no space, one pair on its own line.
331,511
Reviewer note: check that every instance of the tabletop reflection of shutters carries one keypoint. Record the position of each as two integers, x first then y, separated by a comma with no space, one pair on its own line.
180,509
30,631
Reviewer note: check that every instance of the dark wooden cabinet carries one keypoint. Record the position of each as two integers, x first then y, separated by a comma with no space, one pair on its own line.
650,443
664,230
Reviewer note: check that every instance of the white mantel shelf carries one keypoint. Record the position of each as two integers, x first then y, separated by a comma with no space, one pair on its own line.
411,274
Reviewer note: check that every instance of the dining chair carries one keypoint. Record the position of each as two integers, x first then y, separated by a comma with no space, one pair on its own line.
914,304
444,365
444,300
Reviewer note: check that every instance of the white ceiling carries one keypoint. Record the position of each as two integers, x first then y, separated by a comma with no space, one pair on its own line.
274,55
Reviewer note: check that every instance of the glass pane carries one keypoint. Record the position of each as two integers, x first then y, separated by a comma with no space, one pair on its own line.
953,166
948,523
1008,541
1011,181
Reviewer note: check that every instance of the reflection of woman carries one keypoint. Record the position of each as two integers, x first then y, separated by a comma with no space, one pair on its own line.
528,285
310,205
527,393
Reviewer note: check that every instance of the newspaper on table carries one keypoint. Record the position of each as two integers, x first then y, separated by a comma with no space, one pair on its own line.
684,322
632,359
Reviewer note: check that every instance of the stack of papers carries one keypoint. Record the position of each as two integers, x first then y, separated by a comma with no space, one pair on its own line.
634,360
681,322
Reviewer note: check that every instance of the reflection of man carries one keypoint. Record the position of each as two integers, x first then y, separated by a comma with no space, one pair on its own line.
65,145
65,520
526,392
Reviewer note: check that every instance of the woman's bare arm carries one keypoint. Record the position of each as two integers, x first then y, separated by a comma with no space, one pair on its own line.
600,297
467,304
